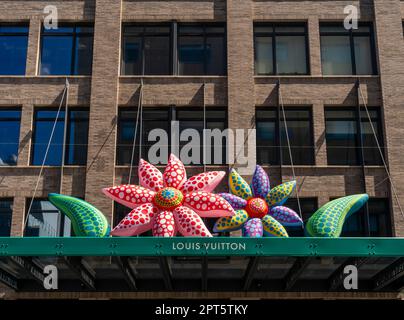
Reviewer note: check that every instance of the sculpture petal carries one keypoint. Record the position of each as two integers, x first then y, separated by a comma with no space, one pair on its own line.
253,228
208,205
87,220
273,228
286,216
129,195
206,181
228,224
164,224
236,202
260,182
329,219
278,195
149,176
238,186
137,221
189,224
175,174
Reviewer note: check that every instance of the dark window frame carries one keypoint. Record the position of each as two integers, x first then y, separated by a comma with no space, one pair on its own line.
67,144
11,200
273,36
278,119
17,34
358,122
19,109
352,34
142,35
73,34
205,35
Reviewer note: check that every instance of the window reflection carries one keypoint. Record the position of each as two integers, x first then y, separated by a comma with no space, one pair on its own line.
13,49
10,120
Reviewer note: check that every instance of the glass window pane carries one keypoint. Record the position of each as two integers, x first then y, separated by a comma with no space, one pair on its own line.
267,151
43,125
83,55
76,144
157,55
13,50
333,28
363,55
263,55
10,121
341,139
336,55
132,57
289,29
215,57
371,151
291,55
56,55
45,220
6,213
191,55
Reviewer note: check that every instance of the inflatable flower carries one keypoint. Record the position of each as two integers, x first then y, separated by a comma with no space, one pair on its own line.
259,209
169,202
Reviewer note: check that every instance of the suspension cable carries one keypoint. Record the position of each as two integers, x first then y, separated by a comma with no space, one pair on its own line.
45,157
139,108
381,152
64,137
289,148
204,143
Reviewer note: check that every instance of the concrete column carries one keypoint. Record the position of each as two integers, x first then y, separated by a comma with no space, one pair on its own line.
240,66
103,106
33,46
388,25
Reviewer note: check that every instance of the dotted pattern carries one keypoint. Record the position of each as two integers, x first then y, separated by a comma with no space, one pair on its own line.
189,224
164,224
286,216
253,228
87,221
175,174
273,228
236,202
206,181
238,186
329,219
137,221
256,208
208,205
130,196
260,183
231,223
149,176
168,198
278,195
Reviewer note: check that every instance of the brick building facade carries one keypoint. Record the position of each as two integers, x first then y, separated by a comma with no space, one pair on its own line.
241,90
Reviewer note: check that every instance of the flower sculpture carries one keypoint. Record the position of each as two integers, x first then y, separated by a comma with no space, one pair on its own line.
259,209
167,203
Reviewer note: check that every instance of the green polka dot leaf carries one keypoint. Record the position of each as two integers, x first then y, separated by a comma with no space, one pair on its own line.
87,221
328,221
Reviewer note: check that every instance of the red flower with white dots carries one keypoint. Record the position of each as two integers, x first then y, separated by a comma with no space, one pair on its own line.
169,202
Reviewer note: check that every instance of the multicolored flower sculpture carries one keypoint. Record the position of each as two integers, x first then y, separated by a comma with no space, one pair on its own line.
259,209
167,203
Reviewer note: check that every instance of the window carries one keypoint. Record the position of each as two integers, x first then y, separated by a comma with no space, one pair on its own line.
300,131
146,50
379,220
45,220
152,118
67,50
201,50
6,213
343,140
347,52
13,49
76,137
308,206
281,49
160,118
9,136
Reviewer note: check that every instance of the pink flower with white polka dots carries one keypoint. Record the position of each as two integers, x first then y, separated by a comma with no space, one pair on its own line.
169,203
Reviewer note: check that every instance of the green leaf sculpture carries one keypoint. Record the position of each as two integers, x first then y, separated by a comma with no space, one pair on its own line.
87,220
329,219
